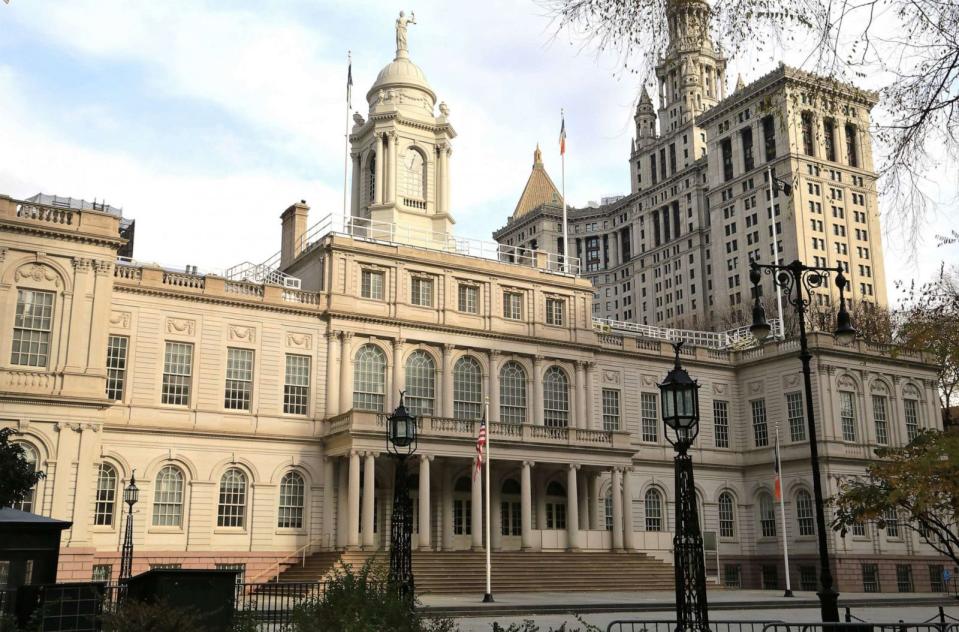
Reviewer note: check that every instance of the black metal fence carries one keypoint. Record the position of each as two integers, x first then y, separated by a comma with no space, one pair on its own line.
628,625
940,622
865,626
271,605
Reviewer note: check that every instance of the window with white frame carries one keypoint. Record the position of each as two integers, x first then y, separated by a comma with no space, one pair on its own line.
369,378
555,398
610,409
31,328
648,422
804,513
296,385
292,493
654,510
513,305
420,383
238,391
31,458
760,428
177,373
421,291
794,417
512,393
371,284
555,311
859,529
847,415
467,388
891,518
231,508
168,497
102,572
767,516
727,515
880,418
468,298
117,347
105,505
608,510
555,506
720,422
911,408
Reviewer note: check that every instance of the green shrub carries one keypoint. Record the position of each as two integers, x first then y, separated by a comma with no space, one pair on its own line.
142,616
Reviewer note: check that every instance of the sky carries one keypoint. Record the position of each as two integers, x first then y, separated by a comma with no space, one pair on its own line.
204,120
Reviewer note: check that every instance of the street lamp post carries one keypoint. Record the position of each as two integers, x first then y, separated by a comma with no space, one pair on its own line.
131,494
680,403
401,443
804,279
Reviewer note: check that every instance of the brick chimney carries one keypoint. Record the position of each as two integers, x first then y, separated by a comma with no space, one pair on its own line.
294,227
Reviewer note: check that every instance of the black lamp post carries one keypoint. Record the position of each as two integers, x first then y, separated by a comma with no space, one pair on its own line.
131,494
680,402
786,278
401,443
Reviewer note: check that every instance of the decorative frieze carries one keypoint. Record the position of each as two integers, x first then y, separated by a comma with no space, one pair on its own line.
181,326
296,340
120,320
38,273
241,333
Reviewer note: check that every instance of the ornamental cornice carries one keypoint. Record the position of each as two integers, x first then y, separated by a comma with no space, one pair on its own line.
216,300
51,232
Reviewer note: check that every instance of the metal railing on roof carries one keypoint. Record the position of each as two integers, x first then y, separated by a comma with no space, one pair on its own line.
731,340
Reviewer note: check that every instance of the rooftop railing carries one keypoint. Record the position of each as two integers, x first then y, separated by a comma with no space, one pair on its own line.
731,340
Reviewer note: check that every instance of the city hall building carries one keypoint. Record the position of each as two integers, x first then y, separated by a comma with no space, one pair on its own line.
252,405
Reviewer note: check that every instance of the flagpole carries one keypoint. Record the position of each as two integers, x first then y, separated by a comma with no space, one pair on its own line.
346,134
782,512
488,597
562,155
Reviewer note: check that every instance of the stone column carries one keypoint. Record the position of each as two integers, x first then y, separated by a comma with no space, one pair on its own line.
447,524
590,421
399,371
580,394
537,390
572,508
329,507
346,374
494,364
629,538
380,169
87,452
332,388
476,509
526,506
353,524
357,179
445,157
342,502
369,498
447,380
393,172
595,484
424,501
584,497
437,182
617,509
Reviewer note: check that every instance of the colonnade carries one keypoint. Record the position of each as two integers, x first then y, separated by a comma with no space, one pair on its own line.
386,173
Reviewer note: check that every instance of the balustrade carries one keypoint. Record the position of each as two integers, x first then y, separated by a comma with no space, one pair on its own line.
178,279
45,214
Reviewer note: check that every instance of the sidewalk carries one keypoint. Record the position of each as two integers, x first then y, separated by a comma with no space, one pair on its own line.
586,602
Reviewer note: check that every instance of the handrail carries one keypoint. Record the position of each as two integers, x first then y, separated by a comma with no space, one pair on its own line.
732,339
300,552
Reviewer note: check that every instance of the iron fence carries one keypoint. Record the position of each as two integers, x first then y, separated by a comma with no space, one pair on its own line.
271,605
862,626
629,625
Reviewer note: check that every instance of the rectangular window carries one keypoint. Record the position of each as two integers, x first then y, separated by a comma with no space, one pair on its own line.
829,139
649,421
911,408
937,582
513,305
727,148
116,366
859,529
31,328
807,578
794,414
747,138
732,576
870,578
904,578
847,415
807,133
721,423
555,311
102,572
296,387
881,419
233,566
468,295
769,137
239,379
892,524
852,150
177,373
371,284
770,577
760,430
610,409
421,292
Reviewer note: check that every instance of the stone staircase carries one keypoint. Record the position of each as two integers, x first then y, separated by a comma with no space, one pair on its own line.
453,572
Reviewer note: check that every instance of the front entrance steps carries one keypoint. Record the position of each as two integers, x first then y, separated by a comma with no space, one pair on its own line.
453,572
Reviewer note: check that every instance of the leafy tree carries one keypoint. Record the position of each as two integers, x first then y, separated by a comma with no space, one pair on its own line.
17,477
918,483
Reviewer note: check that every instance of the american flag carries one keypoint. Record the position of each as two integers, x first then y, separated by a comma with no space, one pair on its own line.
778,487
480,445
562,134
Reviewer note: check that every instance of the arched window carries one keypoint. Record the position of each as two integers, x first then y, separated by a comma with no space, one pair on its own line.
290,515
415,177
106,496
369,378
231,510
511,521
804,513
727,515
555,506
654,510
512,393
371,178
767,516
168,498
420,383
555,398
30,456
467,388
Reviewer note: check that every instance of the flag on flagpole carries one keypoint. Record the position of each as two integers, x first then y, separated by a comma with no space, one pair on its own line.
562,135
349,80
480,445
778,488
